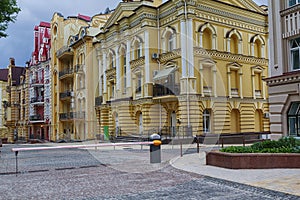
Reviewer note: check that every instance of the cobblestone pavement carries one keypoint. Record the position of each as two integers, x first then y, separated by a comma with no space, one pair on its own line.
123,173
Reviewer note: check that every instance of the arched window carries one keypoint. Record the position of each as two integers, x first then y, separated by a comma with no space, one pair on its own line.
206,121
137,46
111,60
207,39
257,46
122,53
234,42
294,119
169,39
207,36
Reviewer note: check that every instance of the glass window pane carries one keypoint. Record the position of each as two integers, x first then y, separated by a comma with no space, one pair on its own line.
292,2
298,130
292,126
294,108
295,59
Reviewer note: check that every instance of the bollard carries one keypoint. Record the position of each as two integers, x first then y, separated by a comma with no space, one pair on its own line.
155,152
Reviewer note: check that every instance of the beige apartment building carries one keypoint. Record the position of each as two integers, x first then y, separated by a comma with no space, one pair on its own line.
284,79
16,106
3,103
183,67
73,75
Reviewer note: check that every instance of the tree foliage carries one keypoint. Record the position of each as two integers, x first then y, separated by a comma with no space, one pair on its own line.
8,13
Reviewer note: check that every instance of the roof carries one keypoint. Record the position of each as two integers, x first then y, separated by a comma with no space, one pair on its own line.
17,72
3,74
45,24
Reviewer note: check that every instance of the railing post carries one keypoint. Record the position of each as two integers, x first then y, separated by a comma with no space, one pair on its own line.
16,154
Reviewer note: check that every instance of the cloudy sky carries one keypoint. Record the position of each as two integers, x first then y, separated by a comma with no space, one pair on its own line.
19,43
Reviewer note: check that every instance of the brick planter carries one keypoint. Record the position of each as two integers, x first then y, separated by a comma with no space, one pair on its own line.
253,160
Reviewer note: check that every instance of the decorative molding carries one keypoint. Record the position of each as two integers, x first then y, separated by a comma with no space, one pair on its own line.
230,57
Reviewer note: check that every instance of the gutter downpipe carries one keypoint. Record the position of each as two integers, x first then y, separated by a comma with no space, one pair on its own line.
188,71
159,51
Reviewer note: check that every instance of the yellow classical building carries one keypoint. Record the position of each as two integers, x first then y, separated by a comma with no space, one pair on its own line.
73,73
16,105
182,67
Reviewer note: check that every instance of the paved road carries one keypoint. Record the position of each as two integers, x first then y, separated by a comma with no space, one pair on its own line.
123,173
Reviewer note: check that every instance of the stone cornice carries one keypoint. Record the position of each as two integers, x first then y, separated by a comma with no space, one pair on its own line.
198,97
110,72
230,57
292,77
170,55
290,10
137,63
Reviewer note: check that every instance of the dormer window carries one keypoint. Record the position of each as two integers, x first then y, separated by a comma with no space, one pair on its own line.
82,33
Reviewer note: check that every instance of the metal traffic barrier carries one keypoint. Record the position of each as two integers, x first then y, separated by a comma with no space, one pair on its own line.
155,144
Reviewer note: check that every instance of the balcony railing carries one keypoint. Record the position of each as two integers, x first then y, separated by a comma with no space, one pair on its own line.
72,115
234,92
37,81
164,90
66,94
63,50
290,21
37,99
98,101
258,93
36,118
67,71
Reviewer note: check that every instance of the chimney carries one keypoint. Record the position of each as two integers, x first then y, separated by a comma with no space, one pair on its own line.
12,61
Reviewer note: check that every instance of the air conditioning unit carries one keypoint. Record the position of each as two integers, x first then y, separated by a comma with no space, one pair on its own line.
155,56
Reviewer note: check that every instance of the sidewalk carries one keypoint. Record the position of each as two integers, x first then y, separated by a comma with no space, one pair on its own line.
282,180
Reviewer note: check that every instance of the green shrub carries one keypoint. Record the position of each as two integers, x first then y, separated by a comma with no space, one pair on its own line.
283,145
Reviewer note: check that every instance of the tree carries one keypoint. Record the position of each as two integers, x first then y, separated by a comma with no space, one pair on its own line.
8,13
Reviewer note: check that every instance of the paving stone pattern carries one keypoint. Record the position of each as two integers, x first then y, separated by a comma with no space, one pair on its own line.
90,174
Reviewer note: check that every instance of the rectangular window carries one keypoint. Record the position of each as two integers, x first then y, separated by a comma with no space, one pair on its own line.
124,74
292,2
295,58
292,126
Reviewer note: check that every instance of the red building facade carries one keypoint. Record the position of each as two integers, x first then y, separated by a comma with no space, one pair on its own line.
39,84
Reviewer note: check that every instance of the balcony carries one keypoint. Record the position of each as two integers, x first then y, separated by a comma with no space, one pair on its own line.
98,101
165,90
36,118
37,82
66,95
234,92
35,100
258,94
207,90
64,52
71,116
290,21
65,73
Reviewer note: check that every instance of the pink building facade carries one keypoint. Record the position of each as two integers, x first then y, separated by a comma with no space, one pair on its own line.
40,84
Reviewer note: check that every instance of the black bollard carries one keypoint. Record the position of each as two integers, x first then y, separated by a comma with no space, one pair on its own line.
155,152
